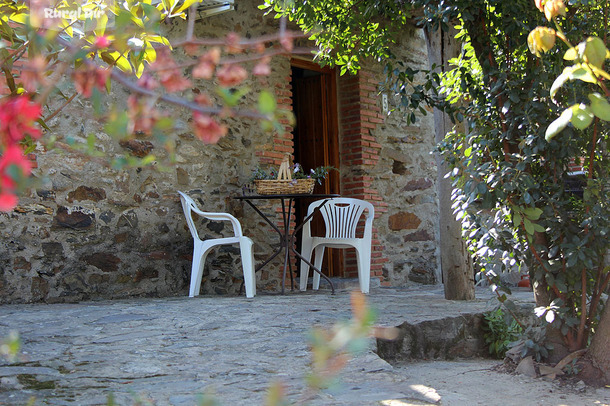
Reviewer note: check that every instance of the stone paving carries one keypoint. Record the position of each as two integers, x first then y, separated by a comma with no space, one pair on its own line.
169,351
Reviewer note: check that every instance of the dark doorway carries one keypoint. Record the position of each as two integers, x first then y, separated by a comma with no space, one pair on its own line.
316,143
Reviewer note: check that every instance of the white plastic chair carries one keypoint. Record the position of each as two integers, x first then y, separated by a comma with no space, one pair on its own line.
341,216
202,247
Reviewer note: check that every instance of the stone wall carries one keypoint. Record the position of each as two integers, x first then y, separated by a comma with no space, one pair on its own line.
87,231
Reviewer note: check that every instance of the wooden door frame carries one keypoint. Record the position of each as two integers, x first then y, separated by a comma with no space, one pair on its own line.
332,123
331,151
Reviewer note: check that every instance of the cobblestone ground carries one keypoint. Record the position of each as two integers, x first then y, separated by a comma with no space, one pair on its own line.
169,351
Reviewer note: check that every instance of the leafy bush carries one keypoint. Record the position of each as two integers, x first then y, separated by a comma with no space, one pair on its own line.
499,332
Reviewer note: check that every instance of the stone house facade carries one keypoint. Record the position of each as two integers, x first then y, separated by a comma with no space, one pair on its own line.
87,231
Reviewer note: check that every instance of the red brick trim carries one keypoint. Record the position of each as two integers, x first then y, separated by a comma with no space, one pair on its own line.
360,152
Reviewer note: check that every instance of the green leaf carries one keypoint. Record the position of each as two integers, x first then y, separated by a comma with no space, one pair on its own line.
595,51
232,97
148,159
159,39
582,116
517,219
529,226
538,228
266,103
20,18
44,125
101,24
186,5
106,57
169,4
580,72
571,54
558,125
96,101
533,213
600,106
10,80
90,143
559,82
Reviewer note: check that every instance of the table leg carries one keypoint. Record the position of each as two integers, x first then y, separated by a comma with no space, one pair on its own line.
277,230
332,287
287,239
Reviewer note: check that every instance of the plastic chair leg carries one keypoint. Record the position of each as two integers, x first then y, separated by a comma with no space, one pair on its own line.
306,250
364,270
247,263
319,253
199,256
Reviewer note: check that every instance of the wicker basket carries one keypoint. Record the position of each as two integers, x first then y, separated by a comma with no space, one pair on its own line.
276,186
284,183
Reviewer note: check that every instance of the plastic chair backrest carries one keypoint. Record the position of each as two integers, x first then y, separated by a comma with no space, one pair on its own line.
341,216
189,206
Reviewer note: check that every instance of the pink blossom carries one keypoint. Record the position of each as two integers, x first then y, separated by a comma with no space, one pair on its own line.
142,116
231,75
232,42
262,68
173,81
32,73
207,64
148,82
101,41
88,78
287,43
207,129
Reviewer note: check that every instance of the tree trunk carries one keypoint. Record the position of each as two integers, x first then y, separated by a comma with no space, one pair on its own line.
554,336
456,264
599,351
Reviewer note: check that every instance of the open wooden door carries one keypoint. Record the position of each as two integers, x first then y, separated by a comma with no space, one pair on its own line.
316,140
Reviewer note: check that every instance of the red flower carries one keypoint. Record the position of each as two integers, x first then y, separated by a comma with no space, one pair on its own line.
12,156
207,129
8,201
17,119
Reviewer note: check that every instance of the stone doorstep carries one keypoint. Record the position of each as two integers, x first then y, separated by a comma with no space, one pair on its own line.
343,283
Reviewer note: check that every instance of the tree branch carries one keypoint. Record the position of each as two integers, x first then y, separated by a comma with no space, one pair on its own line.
178,101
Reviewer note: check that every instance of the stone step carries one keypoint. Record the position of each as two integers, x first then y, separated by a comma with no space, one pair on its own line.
344,283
